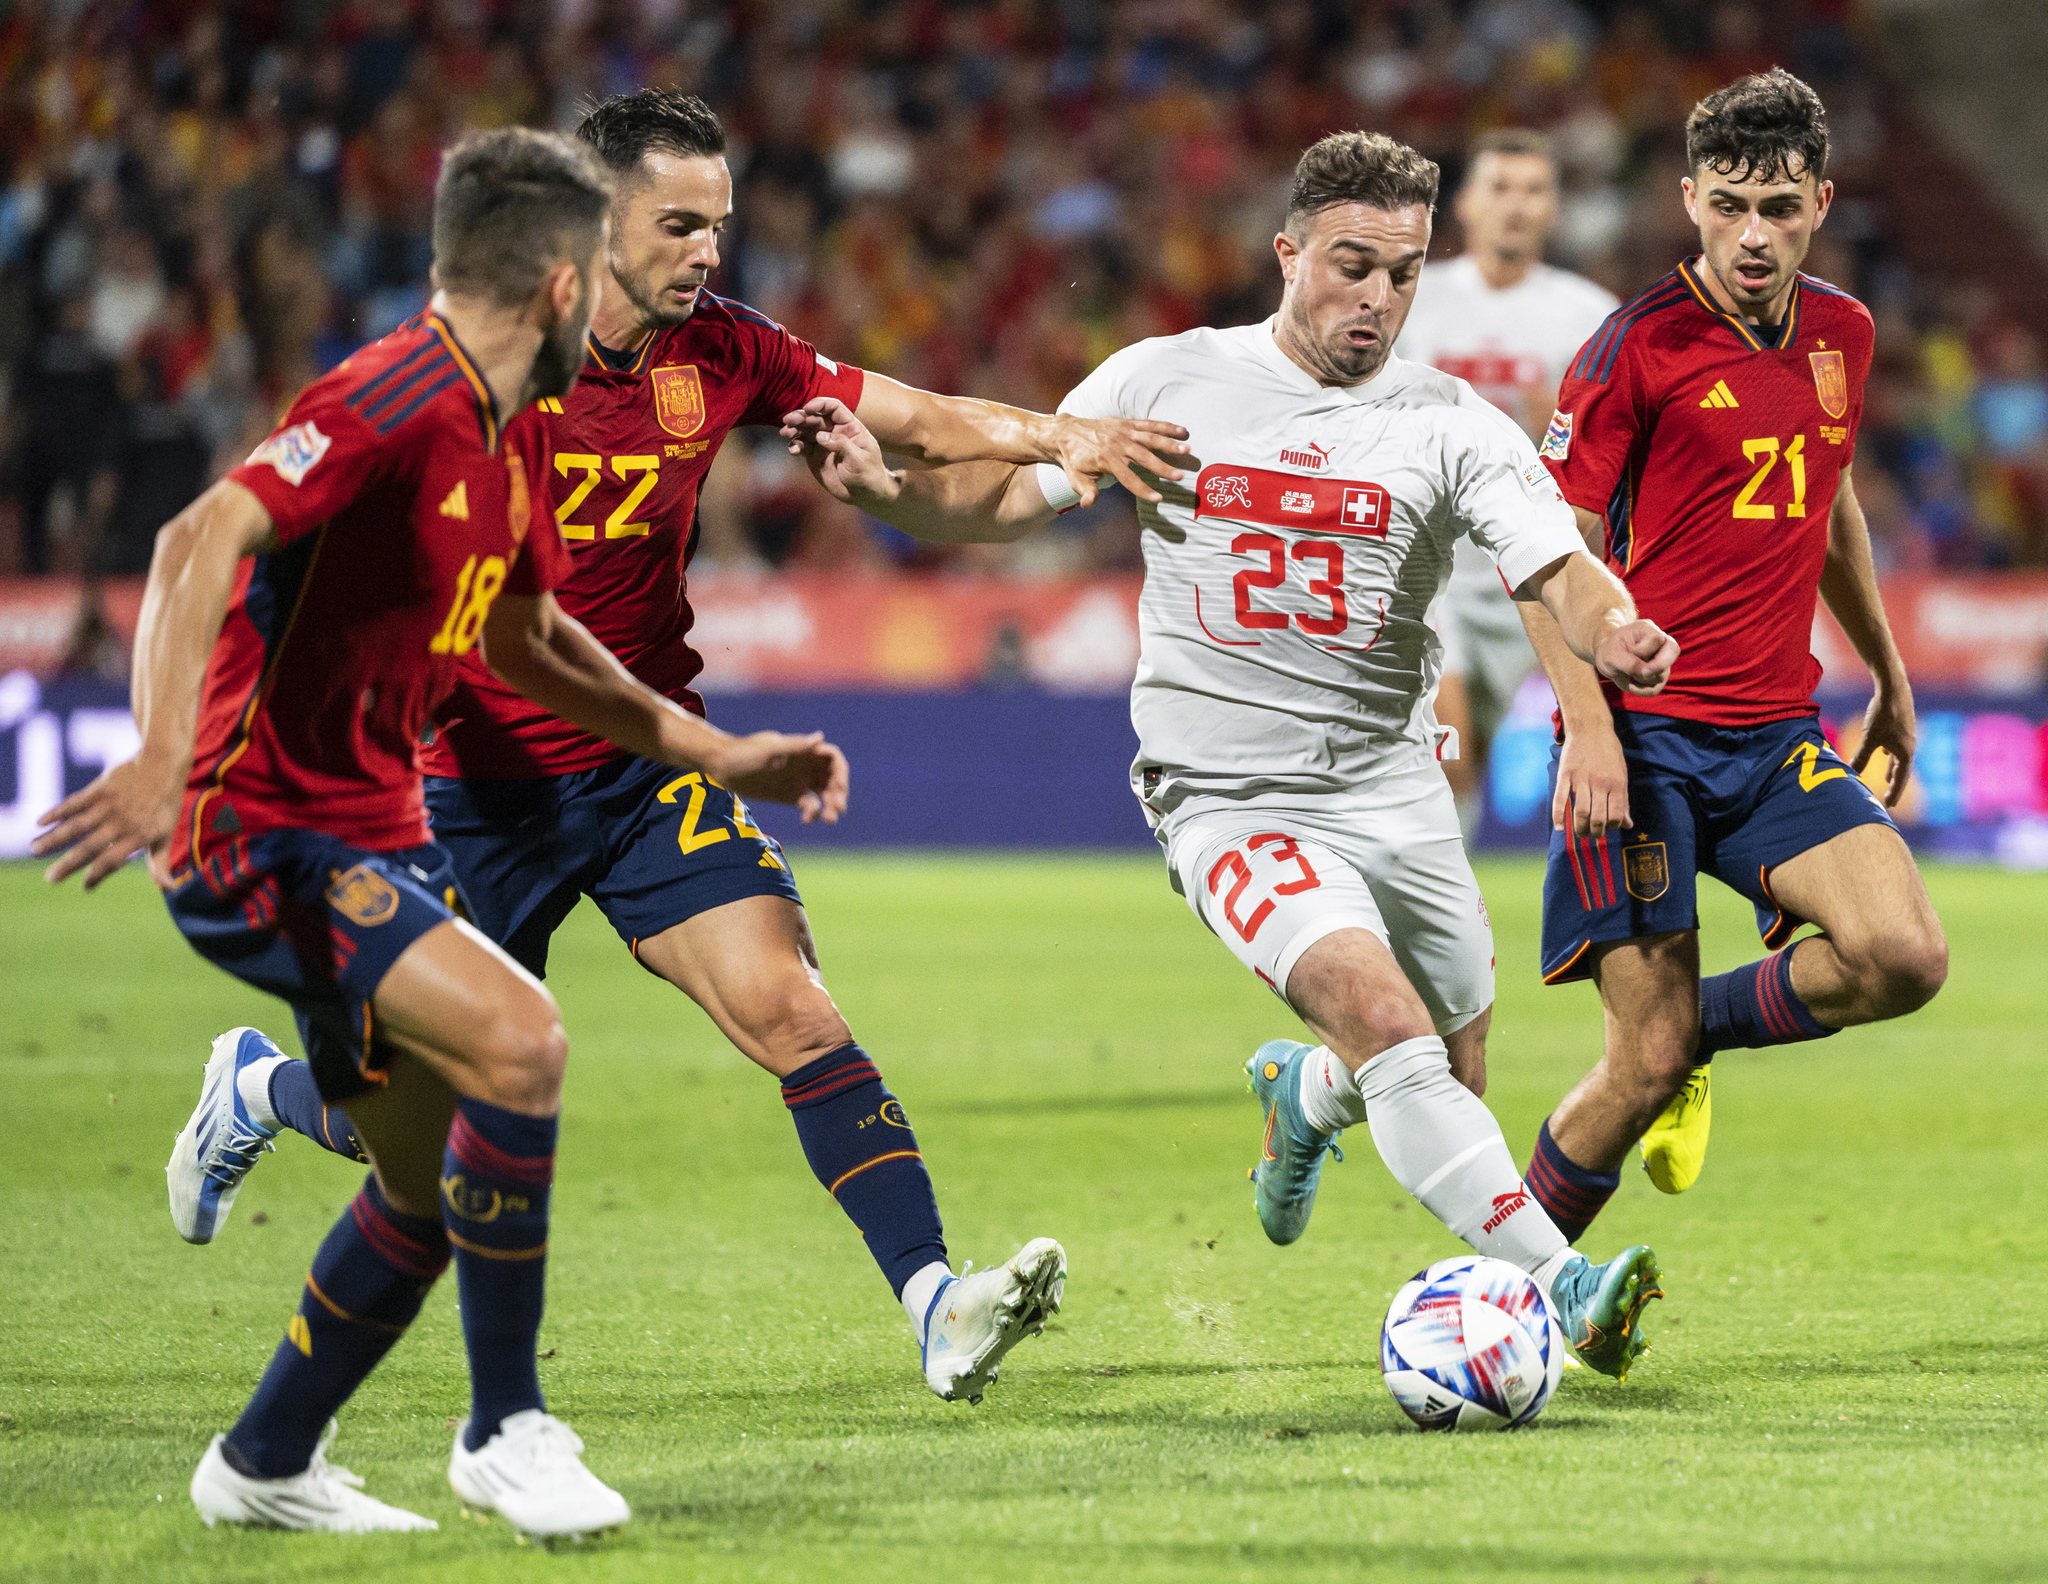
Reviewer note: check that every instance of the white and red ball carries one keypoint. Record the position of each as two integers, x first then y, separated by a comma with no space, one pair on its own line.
1471,1344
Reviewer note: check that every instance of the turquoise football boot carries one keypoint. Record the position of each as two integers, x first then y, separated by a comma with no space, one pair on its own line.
1291,1162
1599,1307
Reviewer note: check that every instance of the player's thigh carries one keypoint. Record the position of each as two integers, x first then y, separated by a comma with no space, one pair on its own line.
1297,913
1633,883
752,966
456,1000
1413,859
1864,890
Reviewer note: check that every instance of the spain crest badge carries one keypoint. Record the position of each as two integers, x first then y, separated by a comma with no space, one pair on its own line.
362,896
1830,381
678,398
1647,871
518,504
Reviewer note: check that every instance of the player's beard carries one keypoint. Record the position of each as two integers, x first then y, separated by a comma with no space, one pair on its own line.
560,358
1335,362
648,304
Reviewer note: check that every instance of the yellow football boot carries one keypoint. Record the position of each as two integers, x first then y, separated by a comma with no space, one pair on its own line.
1675,1148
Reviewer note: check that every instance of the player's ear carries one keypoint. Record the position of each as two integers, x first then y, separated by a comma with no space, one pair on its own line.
1290,254
562,289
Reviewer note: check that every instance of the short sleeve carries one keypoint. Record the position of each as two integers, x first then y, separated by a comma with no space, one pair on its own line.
316,462
543,561
789,371
1506,501
1105,393
1593,432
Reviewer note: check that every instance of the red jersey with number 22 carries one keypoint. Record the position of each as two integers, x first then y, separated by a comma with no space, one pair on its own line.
631,447
400,513
1715,459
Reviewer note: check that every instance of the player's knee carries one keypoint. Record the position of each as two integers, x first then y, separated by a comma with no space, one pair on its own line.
797,1025
523,1054
1901,973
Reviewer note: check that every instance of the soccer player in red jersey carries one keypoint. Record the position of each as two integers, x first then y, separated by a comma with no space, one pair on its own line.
304,620
537,812
1704,436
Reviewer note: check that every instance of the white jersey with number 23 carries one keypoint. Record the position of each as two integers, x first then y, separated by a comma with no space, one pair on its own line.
1283,645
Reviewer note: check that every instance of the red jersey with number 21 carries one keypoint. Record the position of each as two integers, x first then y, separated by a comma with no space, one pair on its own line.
1715,459
631,447
400,513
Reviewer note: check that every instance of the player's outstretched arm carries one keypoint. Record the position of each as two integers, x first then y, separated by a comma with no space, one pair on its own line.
132,807
1591,796
1598,621
942,429
964,503
1848,582
532,645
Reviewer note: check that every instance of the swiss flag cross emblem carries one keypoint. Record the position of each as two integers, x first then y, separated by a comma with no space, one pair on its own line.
1364,511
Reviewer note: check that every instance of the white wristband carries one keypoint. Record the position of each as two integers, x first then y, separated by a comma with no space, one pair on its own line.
1053,484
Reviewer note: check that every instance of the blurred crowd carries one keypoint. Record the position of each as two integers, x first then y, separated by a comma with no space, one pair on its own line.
206,204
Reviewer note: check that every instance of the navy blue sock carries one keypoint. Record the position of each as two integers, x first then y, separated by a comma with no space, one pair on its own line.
1754,1006
494,1198
296,1100
1570,1194
859,1143
367,1282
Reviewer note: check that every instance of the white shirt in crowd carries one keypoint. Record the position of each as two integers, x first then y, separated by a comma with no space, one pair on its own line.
1506,345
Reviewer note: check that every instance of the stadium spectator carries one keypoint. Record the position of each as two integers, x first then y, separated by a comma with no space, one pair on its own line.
984,198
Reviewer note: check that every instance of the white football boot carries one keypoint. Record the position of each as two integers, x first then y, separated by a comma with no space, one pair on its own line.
531,1474
974,1320
326,1497
220,1143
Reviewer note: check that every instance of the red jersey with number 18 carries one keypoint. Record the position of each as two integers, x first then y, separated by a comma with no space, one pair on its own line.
400,513
1715,456
631,447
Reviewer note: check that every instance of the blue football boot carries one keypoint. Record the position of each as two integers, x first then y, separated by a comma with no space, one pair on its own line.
1291,1161
1599,1307
220,1143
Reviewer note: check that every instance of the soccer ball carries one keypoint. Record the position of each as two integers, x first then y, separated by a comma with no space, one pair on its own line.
1470,1344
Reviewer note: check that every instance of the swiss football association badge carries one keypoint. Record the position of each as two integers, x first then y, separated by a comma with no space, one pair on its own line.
678,398
1830,382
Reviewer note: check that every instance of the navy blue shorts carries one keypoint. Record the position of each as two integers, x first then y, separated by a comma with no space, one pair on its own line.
1731,802
318,922
649,844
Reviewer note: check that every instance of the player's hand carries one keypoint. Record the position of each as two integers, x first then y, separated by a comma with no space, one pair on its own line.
1889,725
841,452
1637,657
1087,448
129,809
777,767
1592,784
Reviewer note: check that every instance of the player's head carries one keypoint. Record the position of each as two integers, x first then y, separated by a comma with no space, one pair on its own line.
1756,153
666,153
1508,200
519,221
1358,219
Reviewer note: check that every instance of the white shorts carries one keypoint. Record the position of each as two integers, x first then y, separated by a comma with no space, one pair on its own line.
1273,874
1485,644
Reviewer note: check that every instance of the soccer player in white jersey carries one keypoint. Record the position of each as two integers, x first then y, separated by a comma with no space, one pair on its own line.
1282,704
1507,324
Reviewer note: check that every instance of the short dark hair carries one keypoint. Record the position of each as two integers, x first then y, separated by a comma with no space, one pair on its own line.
1511,140
509,206
1360,167
625,128
1766,127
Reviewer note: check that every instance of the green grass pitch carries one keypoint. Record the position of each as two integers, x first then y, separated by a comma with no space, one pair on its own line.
1846,1382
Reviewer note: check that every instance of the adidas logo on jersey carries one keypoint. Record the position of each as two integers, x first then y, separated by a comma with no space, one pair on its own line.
457,503
1720,396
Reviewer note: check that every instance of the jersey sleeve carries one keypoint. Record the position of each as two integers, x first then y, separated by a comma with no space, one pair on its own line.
1107,392
1505,500
543,560
318,460
789,371
1594,429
